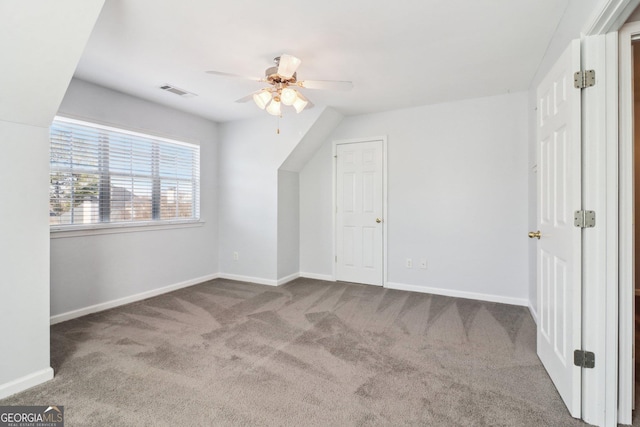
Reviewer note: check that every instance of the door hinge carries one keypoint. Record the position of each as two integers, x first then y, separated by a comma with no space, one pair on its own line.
585,219
584,359
583,79
336,258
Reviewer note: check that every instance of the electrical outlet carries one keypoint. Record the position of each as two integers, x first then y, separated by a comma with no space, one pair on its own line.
409,263
423,264
236,257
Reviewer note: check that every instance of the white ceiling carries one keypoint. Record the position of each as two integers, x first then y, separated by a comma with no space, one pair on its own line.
398,54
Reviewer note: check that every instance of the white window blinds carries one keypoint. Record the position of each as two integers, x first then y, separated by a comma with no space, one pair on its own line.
103,175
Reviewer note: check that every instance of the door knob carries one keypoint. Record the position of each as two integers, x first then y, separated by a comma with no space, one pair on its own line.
535,234
378,220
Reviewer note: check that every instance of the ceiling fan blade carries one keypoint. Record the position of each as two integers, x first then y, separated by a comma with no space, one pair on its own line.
235,76
326,84
288,65
245,98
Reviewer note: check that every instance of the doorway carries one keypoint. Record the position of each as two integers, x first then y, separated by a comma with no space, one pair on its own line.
635,51
360,210
635,48
629,208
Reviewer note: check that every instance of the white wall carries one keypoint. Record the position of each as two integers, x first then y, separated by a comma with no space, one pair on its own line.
457,196
288,224
96,269
250,155
41,43
316,214
312,140
24,254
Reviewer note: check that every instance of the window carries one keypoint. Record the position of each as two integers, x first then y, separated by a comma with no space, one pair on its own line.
106,176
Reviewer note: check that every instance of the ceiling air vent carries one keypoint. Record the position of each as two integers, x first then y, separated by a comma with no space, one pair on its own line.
183,93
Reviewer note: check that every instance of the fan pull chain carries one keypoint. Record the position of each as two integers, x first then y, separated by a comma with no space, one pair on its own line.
278,129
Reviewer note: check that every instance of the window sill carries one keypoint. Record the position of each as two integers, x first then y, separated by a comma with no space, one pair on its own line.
57,232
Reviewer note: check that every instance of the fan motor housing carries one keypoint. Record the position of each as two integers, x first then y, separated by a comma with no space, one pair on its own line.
272,76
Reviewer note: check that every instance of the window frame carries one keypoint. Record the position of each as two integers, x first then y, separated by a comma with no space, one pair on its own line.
80,229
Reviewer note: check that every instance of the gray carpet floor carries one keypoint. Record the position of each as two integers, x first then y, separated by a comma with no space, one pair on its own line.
306,353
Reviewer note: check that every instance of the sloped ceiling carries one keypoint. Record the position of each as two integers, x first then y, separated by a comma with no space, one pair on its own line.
398,54
40,44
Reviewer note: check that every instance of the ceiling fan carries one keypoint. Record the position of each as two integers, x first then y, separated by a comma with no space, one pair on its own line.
284,85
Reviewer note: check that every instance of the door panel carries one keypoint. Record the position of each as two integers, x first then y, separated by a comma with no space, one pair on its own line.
359,185
559,248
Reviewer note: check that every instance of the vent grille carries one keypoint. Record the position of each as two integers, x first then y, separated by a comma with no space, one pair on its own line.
181,92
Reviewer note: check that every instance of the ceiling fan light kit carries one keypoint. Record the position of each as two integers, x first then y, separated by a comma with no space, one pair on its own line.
288,96
262,98
274,108
271,100
281,77
300,102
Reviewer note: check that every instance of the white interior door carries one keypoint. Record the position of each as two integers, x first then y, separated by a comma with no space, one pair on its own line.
559,247
359,208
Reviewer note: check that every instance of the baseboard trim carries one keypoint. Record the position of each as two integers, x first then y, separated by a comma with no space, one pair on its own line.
260,281
533,312
127,300
256,280
325,277
287,279
25,382
458,294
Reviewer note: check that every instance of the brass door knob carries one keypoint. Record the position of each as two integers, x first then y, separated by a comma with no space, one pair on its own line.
535,234
378,220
